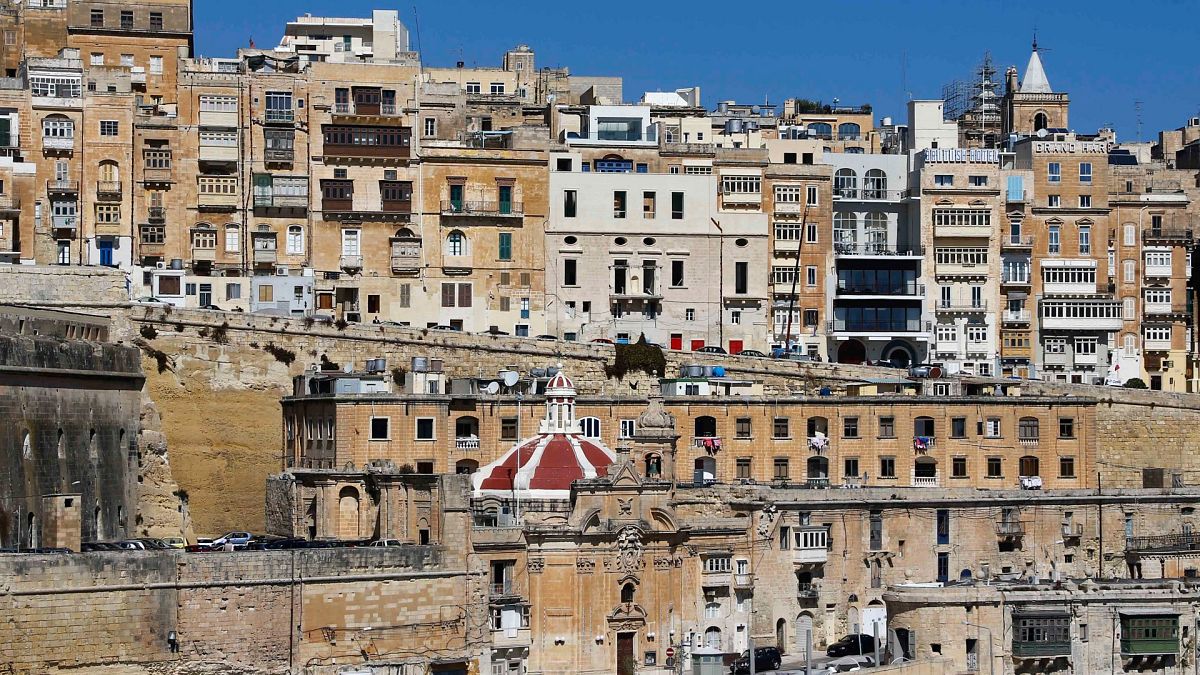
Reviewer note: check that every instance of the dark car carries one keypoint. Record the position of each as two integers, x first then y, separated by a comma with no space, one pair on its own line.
602,341
546,337
711,349
213,308
752,353
93,546
285,544
852,645
765,658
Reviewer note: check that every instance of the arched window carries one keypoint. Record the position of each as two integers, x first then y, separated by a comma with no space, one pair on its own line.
295,240
923,427
466,466
653,466
590,427
1028,467
845,184
712,638
627,593
58,127
845,232
110,172
467,429
818,425
877,231
456,244
820,130
875,184
1027,429
1040,121
233,238
204,236
855,150
712,610
848,131
706,427
925,467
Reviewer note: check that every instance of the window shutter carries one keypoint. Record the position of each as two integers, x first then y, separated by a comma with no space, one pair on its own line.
464,295
504,304
447,295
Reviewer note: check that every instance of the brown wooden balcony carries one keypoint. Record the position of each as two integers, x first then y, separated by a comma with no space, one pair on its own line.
156,214
273,155
366,142
337,205
397,206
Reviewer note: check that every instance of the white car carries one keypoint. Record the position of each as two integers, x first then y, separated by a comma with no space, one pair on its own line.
385,543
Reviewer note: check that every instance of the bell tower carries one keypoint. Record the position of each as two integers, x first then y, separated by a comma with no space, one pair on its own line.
1032,104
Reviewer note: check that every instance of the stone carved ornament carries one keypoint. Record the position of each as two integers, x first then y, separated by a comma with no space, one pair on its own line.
766,520
585,565
629,545
536,565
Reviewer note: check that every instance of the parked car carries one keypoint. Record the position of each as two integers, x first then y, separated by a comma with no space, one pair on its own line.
603,341
285,544
753,353
153,544
150,300
95,546
132,545
212,307
765,658
262,543
386,543
175,542
852,645
441,327
237,538
547,337
711,349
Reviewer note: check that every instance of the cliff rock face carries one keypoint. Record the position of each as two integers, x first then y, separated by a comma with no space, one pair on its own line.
162,508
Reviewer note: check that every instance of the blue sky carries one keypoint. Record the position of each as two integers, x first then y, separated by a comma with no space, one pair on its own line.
1102,52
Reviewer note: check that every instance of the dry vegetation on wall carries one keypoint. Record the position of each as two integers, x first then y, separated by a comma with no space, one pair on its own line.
638,357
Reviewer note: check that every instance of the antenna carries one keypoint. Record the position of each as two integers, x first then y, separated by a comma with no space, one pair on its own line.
417,29
1137,108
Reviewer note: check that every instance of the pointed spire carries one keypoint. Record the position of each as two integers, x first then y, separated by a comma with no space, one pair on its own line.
1035,81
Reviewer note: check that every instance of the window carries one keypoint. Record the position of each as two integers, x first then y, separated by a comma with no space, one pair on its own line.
689,314
430,126
1128,271
676,206
1085,172
810,233
718,564
924,426
496,88
1054,242
741,278
109,127
958,427
1085,201
153,234
58,127
504,246
508,428
204,238
628,429
126,19
58,86
887,427
97,59
1054,172
781,468
156,21
590,427
474,88
741,184
958,467
649,205
232,238
992,427
233,291
295,240
350,242
127,60
1066,467
994,467
1027,429
943,180
887,467
380,428
456,244
677,277
977,181
850,427
619,204
570,203
570,274
1129,236
850,467
1053,201
962,218
97,18
810,276
1085,239
735,317
780,428
156,65
810,195
425,429
742,428
1066,427
743,468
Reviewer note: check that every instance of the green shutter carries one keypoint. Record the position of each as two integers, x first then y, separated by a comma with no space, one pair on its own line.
506,246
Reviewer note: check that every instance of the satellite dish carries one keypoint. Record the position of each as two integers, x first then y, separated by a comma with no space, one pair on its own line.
510,377
348,368
1041,133
492,388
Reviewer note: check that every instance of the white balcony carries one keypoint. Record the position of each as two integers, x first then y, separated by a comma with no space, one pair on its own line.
741,198
925,481
1086,359
1082,315
1158,270
1157,345
1017,316
789,207
466,443
218,153
981,231
57,143
219,119
716,579
1161,308
137,75
952,269
351,262
508,638
810,556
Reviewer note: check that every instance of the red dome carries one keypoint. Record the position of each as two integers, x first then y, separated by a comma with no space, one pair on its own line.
549,463
560,381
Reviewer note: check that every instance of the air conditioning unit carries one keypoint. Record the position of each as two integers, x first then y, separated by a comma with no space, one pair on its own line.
281,270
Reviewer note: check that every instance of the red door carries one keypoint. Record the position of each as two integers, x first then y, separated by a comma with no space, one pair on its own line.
677,341
697,344
735,346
